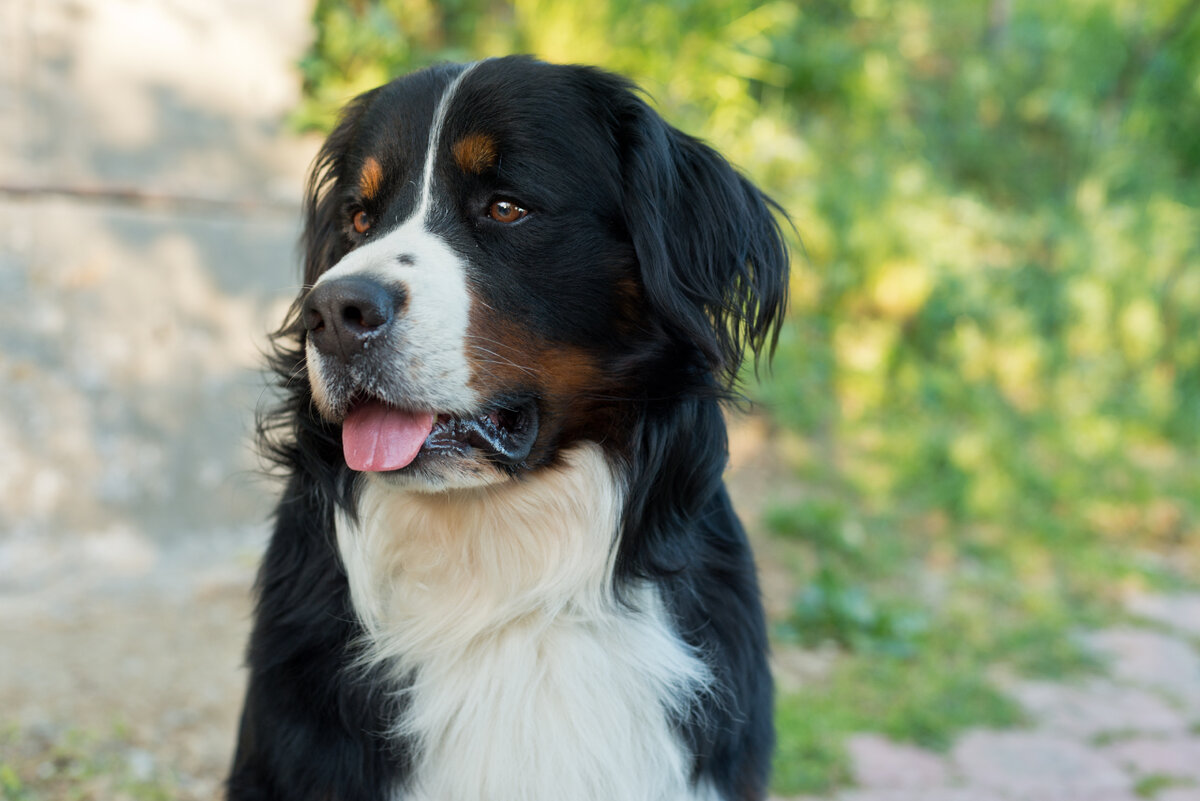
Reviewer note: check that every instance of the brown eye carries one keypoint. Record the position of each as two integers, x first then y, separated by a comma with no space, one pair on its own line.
362,221
506,211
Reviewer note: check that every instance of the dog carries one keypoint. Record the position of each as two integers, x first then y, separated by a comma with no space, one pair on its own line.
505,566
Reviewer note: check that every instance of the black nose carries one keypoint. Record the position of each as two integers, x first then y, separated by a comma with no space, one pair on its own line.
343,315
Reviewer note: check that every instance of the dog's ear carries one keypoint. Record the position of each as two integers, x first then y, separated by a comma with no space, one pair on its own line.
712,257
324,238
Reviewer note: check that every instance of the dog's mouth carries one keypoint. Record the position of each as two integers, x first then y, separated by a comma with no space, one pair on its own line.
377,437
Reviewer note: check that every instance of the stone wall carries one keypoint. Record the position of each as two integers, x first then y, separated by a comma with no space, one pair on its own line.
149,204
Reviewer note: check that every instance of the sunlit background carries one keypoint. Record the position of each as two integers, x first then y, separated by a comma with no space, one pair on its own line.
976,453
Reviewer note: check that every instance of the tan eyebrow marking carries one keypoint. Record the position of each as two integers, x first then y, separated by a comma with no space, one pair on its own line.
475,153
371,178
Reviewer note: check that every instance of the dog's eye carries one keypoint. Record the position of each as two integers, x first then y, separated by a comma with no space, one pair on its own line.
506,211
362,222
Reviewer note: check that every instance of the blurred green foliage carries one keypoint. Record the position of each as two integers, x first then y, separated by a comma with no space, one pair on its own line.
991,372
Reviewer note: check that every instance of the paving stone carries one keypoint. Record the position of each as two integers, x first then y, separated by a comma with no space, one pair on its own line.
1037,765
1096,707
877,762
1179,611
1059,794
1152,659
1177,757
929,794
1179,794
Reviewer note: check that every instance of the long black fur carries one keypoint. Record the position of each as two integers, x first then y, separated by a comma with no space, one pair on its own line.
711,264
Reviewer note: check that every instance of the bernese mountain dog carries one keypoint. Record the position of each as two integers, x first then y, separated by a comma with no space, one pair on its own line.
505,566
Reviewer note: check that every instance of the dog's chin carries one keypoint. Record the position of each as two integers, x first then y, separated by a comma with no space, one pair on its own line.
442,475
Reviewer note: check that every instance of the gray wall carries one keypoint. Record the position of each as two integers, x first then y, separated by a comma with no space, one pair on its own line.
149,199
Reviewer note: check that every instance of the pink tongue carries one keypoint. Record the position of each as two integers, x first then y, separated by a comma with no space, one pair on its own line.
376,437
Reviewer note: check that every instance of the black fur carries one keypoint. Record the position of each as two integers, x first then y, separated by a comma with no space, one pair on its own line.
705,254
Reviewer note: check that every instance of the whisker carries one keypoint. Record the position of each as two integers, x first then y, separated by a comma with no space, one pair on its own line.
501,360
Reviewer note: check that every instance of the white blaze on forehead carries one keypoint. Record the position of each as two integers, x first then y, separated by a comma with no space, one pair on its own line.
431,332
435,136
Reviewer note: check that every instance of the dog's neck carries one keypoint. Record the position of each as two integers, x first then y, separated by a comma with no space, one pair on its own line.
469,562
524,677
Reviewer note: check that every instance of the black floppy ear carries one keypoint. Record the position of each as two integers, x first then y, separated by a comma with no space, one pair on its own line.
713,259
324,238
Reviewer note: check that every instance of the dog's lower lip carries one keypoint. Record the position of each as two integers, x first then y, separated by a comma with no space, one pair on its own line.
504,433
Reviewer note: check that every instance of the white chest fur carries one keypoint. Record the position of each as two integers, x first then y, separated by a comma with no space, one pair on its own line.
529,680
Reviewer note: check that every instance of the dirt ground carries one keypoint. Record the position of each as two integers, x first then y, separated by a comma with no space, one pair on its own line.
137,686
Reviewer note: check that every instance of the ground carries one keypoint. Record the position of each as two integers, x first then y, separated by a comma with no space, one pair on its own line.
128,686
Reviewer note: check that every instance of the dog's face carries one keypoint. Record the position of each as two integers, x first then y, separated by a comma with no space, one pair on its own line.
494,272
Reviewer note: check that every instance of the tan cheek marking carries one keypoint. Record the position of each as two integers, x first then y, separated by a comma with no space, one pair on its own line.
475,153
504,356
371,178
579,397
497,351
569,371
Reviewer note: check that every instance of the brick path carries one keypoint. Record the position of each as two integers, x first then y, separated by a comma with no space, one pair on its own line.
1134,734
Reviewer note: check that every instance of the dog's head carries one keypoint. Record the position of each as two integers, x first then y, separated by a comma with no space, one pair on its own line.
508,257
